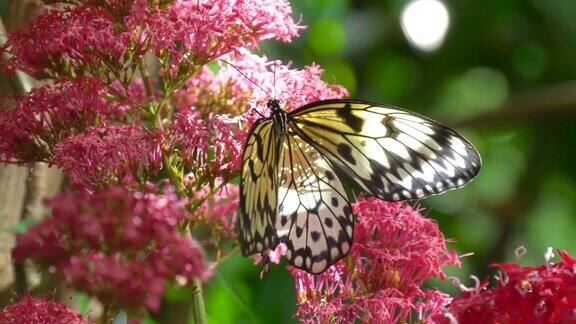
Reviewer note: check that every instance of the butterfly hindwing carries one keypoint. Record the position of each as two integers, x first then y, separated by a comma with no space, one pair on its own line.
259,189
392,153
314,216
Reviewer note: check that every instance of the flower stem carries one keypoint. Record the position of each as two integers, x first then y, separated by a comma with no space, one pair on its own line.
198,309
146,80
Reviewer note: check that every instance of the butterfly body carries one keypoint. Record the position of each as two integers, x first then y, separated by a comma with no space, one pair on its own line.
279,116
291,193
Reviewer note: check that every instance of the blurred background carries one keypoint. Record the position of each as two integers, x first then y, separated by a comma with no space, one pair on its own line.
501,72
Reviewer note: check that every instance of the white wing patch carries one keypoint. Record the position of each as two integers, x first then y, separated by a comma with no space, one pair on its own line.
314,216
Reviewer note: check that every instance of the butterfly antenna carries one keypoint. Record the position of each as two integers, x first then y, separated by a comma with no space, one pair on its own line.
274,80
247,78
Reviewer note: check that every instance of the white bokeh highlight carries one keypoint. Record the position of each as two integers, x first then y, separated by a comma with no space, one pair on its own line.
425,23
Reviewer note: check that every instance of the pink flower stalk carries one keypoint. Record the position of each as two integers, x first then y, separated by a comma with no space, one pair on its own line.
69,42
35,310
48,115
119,246
109,155
540,294
219,210
395,249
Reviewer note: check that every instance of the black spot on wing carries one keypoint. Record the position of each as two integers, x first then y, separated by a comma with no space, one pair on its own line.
329,175
351,120
345,152
315,236
334,201
299,231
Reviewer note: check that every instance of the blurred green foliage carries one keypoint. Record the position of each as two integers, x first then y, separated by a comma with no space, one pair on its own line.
494,52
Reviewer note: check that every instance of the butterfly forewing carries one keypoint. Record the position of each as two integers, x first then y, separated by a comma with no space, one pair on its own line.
314,216
259,188
392,153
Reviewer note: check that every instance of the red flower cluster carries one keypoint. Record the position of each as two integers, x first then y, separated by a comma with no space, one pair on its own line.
119,246
49,114
108,155
541,294
34,310
395,249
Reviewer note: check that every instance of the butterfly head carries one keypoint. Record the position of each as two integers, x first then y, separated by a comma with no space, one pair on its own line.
274,105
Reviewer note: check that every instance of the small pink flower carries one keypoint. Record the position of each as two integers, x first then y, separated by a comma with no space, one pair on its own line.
109,155
431,304
274,256
48,115
117,245
395,249
35,310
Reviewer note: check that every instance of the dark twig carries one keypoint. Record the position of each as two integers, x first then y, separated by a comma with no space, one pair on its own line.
551,101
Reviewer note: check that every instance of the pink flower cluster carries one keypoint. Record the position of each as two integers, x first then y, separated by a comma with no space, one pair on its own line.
69,41
236,88
210,147
49,114
110,154
119,246
219,211
193,33
105,35
540,294
36,310
395,249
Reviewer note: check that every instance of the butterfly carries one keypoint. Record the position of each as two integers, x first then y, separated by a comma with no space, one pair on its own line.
291,193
